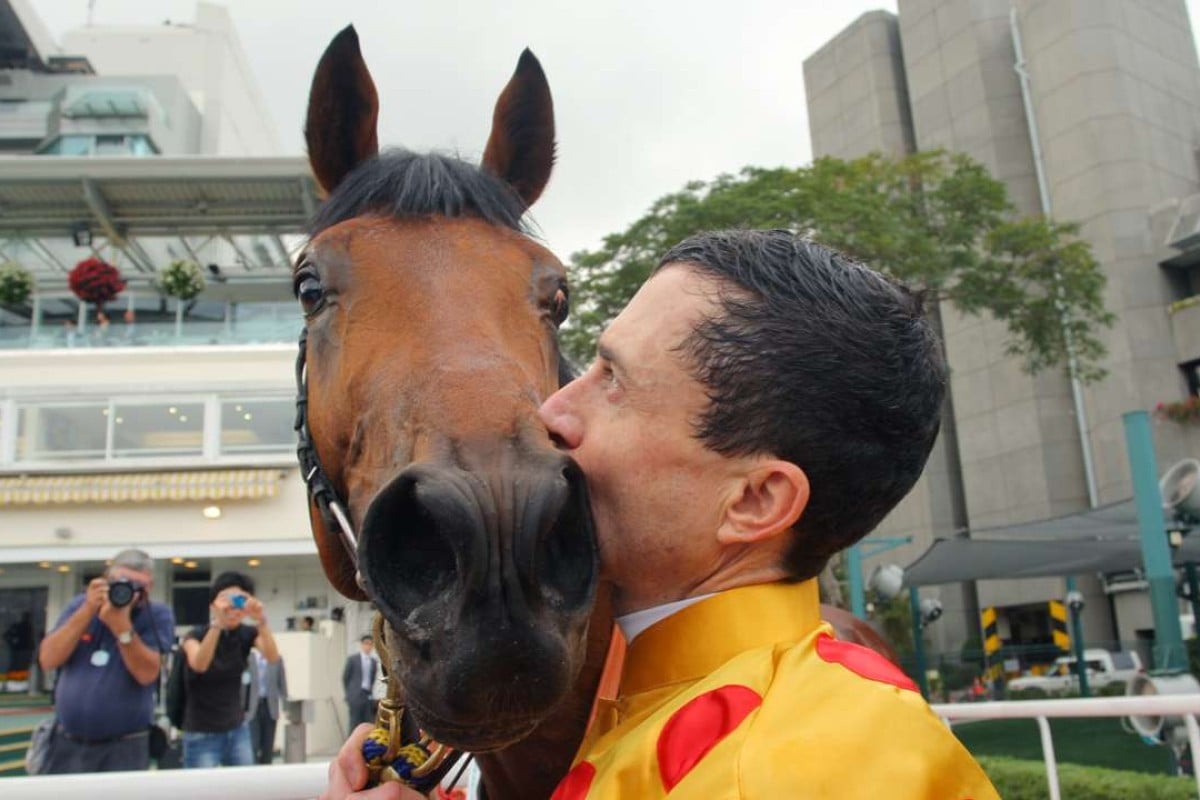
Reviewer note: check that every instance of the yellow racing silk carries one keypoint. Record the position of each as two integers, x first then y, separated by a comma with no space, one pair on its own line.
748,695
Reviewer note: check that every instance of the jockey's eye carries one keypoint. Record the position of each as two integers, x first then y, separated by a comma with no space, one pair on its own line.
310,293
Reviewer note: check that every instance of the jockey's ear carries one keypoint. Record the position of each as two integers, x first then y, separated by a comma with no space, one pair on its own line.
769,500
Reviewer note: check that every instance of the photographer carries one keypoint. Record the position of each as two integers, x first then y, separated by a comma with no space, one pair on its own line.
215,731
106,648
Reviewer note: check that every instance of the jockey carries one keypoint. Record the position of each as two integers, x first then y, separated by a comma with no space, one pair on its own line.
761,404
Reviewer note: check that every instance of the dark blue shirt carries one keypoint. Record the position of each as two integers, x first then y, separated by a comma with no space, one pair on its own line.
102,701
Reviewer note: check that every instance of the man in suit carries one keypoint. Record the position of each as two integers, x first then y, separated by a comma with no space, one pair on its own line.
268,694
358,676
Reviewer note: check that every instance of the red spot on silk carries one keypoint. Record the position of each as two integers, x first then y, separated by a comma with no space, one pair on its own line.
697,727
864,662
576,783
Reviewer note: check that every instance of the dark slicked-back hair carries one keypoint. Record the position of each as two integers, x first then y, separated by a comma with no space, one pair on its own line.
820,361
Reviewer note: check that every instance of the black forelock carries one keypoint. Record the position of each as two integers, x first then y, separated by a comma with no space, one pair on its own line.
400,183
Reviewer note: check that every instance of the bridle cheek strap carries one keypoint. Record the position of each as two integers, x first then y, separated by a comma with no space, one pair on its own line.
421,762
320,489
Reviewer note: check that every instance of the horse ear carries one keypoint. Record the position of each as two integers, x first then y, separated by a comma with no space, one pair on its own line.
342,111
521,146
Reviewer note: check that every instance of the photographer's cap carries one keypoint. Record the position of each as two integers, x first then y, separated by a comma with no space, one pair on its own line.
134,559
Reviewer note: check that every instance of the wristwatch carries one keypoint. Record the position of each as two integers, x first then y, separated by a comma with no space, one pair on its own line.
125,637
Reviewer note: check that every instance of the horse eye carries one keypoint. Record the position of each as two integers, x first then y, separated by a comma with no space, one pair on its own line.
310,293
560,307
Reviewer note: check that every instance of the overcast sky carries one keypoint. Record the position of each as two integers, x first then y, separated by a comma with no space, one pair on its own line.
649,94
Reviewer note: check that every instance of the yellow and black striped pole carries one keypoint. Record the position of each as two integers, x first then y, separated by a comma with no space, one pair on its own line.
991,642
1058,626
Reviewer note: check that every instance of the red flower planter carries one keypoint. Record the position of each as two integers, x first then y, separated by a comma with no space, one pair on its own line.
95,281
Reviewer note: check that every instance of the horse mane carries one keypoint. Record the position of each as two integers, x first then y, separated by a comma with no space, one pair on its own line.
401,183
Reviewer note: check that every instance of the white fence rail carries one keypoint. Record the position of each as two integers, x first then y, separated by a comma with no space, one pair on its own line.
298,781
281,782
1186,706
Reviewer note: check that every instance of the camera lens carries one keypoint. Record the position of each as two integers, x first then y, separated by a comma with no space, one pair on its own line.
120,593
239,601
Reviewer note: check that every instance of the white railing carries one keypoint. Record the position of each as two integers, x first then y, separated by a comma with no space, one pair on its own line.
1187,706
298,781
281,782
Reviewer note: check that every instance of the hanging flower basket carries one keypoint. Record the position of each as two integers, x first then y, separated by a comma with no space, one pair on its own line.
16,284
1186,411
95,281
181,279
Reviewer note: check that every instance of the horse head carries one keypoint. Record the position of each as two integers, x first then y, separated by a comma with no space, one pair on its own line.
431,338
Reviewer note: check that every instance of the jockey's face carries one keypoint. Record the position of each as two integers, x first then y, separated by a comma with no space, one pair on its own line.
657,493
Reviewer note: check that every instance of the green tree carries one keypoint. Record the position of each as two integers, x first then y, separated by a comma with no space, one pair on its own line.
937,221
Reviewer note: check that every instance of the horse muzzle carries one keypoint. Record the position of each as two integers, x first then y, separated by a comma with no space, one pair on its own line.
486,583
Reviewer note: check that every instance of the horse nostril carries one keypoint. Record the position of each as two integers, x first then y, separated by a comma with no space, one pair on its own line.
413,531
567,561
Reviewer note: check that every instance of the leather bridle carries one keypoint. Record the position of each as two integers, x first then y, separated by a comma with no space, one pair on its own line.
392,728
320,488
397,730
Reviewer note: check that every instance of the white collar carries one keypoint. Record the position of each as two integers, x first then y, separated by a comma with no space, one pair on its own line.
633,623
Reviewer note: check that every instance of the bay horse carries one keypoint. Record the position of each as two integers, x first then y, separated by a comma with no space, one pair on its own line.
430,339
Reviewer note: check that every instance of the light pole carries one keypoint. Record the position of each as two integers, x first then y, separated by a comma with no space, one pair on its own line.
924,613
1075,606
887,582
855,554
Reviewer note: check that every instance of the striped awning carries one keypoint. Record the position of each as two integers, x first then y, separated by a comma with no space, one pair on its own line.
140,487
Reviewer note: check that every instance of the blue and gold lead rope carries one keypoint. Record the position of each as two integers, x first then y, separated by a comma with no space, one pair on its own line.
414,764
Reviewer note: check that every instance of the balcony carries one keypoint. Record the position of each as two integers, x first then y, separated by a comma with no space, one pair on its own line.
57,323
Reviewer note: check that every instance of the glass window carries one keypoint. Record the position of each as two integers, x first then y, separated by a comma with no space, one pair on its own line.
141,146
1123,660
128,429
276,321
62,431
158,429
257,426
73,145
102,102
1191,373
203,321
15,325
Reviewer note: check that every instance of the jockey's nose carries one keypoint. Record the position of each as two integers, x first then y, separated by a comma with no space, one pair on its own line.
559,416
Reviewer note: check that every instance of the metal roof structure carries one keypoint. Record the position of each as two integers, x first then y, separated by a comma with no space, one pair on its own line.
48,203
1106,539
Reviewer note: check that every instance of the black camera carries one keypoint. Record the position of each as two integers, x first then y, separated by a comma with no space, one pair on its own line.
122,592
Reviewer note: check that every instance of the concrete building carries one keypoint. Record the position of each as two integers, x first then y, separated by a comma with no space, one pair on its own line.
207,59
168,426
1114,89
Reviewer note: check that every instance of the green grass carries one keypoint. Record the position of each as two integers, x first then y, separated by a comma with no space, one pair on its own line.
1095,742
1026,780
